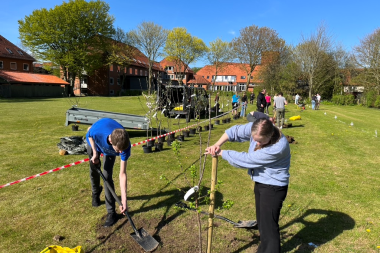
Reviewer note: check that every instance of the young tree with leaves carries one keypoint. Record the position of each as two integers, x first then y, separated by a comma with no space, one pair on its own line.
183,49
70,35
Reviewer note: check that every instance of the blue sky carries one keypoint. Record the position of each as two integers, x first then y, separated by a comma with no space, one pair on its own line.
347,21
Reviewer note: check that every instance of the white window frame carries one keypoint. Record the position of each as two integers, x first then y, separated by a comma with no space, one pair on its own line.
111,81
20,52
15,63
27,66
9,51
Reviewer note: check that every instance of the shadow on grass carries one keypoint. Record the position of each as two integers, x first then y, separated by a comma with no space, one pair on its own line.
329,225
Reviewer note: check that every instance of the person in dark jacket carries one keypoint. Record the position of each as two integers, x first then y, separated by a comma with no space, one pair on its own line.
261,102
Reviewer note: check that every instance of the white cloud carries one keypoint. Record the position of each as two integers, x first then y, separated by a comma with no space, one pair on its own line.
232,32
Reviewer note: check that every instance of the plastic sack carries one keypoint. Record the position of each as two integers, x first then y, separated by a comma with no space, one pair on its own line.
59,249
178,108
74,145
295,117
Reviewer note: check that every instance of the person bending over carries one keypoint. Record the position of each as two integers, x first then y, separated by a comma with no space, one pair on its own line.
267,162
108,137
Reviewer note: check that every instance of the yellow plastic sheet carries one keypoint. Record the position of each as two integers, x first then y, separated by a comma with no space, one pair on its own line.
178,108
295,117
59,249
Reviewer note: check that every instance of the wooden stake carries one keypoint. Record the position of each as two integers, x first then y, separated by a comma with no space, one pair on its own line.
212,202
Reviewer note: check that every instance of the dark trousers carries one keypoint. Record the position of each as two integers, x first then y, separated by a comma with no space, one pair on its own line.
269,199
260,109
108,162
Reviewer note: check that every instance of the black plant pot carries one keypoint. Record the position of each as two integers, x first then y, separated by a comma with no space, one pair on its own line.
236,117
161,139
224,121
169,141
150,143
159,146
217,122
192,131
186,133
180,137
199,129
228,120
211,126
147,149
206,128
74,127
172,136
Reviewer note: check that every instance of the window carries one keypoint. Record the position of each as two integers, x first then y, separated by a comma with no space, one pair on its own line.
9,51
111,92
242,77
136,72
111,67
242,86
208,77
170,68
130,71
140,72
118,81
146,73
20,52
13,65
111,80
26,67
1,64
118,69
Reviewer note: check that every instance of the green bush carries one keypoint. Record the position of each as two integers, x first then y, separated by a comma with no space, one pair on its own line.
338,99
370,98
349,99
377,102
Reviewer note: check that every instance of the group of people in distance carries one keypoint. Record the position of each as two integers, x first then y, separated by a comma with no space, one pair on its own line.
267,163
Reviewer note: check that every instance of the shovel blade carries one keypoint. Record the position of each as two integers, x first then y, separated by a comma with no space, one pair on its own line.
246,224
146,241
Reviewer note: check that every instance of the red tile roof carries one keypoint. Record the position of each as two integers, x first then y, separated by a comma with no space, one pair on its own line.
165,63
197,79
9,50
30,78
231,69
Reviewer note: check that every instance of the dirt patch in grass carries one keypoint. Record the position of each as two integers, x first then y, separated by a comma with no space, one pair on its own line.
176,233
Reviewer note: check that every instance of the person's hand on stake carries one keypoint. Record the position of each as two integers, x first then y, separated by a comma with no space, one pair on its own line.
213,150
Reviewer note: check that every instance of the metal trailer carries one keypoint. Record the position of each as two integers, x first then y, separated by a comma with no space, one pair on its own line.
77,115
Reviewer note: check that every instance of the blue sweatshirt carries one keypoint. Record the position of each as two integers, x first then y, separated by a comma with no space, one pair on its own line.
100,131
269,165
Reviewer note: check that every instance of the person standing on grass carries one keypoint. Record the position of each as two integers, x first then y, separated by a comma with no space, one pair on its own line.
244,102
313,101
318,101
268,163
268,100
261,102
297,98
279,103
108,137
251,98
235,103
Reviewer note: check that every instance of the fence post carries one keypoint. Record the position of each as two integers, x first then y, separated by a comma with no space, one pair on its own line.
212,202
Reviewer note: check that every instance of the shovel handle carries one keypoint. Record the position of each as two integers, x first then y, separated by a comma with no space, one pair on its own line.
117,200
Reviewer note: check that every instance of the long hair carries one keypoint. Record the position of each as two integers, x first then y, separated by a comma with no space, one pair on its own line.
265,128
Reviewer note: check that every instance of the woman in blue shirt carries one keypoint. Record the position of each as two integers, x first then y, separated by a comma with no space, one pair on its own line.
267,162
235,103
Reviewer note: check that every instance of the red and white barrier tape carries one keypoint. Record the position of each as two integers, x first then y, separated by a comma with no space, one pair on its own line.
87,159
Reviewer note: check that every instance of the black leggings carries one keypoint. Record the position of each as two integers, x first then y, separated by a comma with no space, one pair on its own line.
269,199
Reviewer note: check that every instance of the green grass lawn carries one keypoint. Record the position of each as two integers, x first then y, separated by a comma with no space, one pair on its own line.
333,198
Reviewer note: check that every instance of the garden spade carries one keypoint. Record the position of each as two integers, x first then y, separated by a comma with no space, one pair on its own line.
146,241
240,224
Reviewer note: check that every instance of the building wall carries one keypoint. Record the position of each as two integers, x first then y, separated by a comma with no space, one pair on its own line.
6,64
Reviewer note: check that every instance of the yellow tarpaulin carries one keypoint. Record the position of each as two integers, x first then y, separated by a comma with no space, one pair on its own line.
295,117
59,249
178,108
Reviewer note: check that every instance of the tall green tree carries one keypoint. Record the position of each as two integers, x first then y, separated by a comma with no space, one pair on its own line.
183,49
310,55
71,35
367,55
249,47
149,38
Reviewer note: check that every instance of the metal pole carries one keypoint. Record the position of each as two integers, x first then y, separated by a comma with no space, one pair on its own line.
212,202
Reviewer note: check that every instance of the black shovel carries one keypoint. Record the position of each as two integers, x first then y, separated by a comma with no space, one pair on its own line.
146,241
240,224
